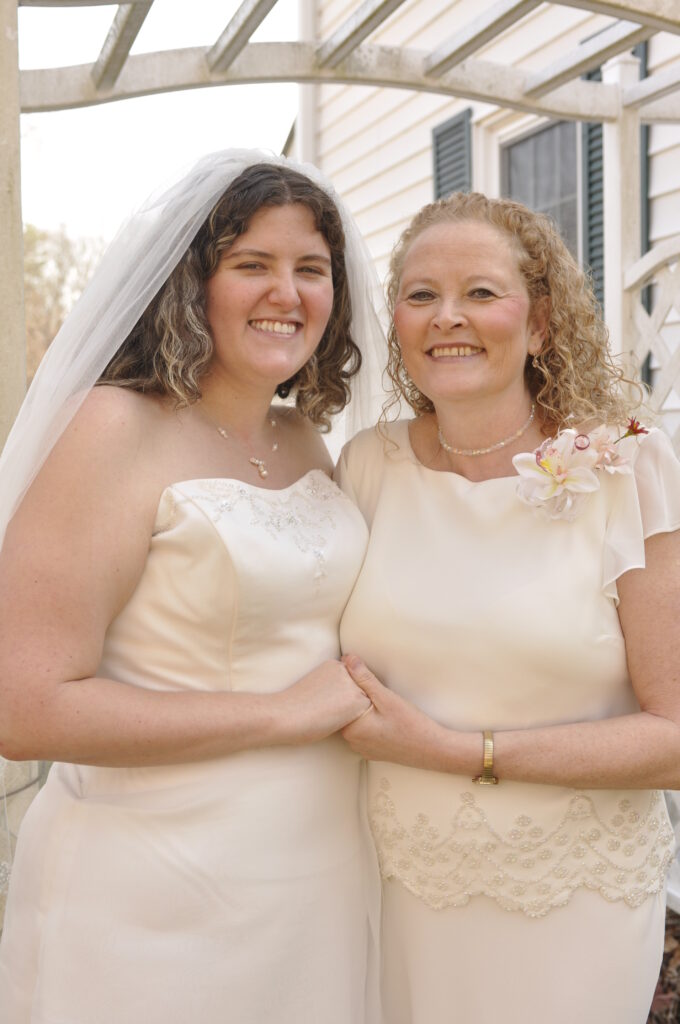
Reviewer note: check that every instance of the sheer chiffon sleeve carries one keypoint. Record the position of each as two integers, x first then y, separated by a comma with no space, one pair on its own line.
644,503
360,468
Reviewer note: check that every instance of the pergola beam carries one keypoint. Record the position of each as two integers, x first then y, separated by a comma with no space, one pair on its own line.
149,73
352,32
73,3
126,25
237,33
623,35
652,88
662,111
476,34
661,15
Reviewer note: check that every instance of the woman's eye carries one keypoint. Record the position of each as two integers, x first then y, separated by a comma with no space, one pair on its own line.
482,293
315,271
422,295
250,265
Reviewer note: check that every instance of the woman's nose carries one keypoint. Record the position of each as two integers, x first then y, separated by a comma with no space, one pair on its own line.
448,315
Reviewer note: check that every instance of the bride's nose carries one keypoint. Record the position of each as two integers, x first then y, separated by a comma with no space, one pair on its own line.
284,291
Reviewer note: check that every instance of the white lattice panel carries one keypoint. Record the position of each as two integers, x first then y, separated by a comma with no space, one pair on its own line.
656,334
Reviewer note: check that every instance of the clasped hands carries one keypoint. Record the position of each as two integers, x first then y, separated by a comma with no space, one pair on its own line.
391,729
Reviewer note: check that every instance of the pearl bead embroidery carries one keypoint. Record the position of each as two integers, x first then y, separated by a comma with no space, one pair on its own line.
528,868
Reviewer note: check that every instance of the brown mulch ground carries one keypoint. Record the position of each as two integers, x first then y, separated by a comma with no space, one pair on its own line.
666,1003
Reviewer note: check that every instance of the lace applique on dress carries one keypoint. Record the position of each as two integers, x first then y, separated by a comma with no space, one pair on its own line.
297,511
527,868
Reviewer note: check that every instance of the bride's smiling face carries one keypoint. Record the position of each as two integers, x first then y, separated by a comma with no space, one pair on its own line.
463,314
269,301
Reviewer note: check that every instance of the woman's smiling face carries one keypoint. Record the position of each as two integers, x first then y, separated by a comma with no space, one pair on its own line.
463,315
269,301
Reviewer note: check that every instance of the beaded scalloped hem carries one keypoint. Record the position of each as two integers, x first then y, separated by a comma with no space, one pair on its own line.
526,869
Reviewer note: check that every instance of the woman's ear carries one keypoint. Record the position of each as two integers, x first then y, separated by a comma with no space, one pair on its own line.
539,324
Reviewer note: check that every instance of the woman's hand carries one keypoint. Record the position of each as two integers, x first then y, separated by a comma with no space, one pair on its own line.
394,730
319,704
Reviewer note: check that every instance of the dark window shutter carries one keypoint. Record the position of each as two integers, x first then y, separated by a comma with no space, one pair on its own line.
593,207
593,199
452,150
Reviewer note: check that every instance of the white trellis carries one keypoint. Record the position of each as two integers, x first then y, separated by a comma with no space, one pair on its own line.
656,334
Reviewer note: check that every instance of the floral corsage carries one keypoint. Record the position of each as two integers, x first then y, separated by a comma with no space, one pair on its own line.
559,476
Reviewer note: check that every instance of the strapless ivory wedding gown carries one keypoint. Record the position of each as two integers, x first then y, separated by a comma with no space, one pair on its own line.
516,903
228,890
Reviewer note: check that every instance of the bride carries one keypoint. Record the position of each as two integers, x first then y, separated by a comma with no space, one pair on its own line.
175,564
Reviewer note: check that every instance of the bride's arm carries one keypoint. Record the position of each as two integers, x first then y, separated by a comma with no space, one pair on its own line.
73,555
634,751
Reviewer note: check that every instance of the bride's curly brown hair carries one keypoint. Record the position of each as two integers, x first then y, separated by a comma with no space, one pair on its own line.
170,347
573,377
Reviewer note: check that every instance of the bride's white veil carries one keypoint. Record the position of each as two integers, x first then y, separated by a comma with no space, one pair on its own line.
138,261
141,257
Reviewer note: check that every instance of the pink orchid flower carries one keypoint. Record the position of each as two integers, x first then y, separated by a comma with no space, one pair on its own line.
557,476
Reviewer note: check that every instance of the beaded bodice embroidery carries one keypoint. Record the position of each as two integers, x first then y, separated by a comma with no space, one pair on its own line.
623,856
305,512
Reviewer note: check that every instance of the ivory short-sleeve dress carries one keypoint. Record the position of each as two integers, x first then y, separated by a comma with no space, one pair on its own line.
227,890
517,903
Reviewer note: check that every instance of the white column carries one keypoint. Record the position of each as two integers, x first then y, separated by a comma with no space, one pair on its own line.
12,336
621,158
305,128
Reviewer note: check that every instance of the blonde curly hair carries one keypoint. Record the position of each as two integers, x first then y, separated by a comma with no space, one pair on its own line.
573,377
170,348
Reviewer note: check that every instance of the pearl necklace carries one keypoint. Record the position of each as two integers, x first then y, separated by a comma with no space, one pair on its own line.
492,448
259,464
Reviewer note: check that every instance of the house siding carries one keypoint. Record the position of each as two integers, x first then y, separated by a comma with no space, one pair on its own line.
376,144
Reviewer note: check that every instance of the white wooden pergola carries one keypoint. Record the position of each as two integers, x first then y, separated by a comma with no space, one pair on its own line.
620,101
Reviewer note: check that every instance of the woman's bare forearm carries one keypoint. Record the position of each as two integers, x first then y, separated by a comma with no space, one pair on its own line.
636,751
103,722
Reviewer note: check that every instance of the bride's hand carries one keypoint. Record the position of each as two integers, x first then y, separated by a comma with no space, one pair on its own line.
319,704
395,730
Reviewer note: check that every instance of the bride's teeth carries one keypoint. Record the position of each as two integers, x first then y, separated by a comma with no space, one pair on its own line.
277,326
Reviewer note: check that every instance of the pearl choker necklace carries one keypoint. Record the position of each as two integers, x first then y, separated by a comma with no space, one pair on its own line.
492,448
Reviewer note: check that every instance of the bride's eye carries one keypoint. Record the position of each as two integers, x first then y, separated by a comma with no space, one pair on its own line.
250,265
421,295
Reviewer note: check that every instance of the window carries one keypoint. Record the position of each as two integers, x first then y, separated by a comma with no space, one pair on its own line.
541,171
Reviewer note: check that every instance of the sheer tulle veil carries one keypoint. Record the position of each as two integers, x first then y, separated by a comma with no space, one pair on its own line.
138,261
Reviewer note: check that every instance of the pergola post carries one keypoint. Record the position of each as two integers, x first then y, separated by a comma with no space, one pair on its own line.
621,158
305,128
12,338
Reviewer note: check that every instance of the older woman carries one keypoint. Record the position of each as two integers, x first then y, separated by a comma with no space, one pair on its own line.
172,583
519,601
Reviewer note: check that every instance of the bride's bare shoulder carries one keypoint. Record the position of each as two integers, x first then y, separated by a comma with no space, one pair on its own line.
113,422
109,437
107,407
